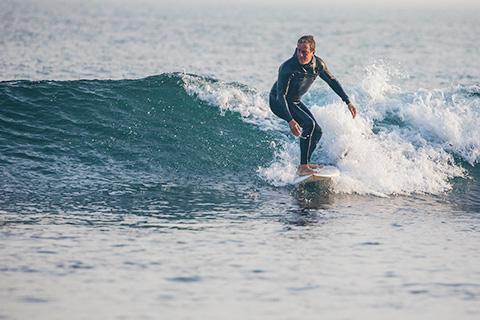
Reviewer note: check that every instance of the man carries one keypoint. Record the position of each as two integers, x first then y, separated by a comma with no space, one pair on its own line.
295,77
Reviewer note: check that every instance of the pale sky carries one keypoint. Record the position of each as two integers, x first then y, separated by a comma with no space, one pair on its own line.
329,2
305,2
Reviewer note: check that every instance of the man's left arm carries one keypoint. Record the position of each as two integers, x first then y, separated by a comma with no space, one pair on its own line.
337,87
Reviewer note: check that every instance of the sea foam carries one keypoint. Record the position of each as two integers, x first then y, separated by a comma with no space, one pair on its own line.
399,143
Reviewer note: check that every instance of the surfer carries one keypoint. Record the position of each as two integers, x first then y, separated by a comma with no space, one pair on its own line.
295,76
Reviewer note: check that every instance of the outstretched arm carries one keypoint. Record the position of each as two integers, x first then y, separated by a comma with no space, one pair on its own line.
337,87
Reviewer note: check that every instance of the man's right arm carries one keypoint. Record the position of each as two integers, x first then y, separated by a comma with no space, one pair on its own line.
283,83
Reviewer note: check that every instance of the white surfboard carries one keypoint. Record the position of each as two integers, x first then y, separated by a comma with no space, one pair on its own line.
327,172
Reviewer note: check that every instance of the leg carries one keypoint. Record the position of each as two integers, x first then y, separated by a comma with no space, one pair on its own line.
311,131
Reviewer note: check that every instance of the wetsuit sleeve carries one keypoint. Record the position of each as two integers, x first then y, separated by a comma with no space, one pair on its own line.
283,83
333,83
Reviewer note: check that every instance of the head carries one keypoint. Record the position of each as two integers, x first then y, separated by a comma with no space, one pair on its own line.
305,49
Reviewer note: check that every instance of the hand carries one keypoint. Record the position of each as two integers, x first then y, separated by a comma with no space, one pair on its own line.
352,109
295,128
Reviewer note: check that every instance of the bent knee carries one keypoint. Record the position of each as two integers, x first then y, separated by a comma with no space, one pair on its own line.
317,133
311,128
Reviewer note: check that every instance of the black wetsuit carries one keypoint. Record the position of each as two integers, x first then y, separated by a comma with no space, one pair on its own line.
293,82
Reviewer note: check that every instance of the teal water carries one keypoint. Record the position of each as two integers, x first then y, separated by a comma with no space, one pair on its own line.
102,140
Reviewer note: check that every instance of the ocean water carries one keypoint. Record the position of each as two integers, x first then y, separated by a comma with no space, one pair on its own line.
142,175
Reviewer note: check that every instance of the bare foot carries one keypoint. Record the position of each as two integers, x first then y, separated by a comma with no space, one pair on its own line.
305,170
314,166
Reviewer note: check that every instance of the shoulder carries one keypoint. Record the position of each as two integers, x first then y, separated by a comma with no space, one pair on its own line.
321,64
288,67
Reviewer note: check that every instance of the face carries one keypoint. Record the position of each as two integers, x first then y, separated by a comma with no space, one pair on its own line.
304,54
